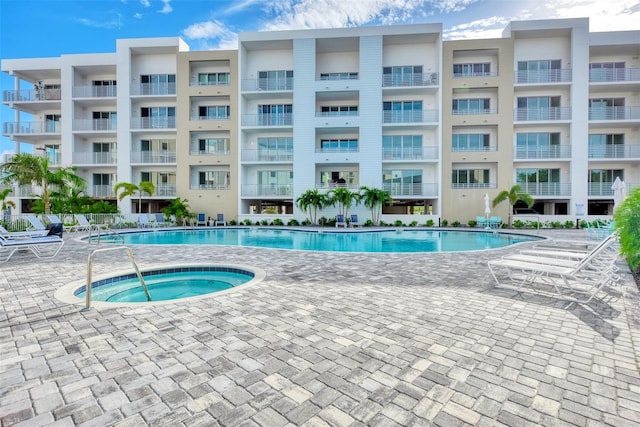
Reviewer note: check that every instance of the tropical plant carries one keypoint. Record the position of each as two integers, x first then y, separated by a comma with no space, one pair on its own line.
3,198
375,199
312,201
179,208
25,168
627,224
129,189
512,195
344,198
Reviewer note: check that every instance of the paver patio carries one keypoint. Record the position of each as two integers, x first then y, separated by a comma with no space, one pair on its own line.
327,339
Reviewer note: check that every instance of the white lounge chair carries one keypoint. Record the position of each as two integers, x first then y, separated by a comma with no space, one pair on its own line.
340,222
42,247
354,221
22,234
83,224
36,224
565,278
220,220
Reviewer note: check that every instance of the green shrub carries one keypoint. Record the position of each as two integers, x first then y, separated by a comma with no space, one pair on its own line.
413,223
472,223
569,224
455,224
430,223
247,221
264,222
277,221
627,224
293,222
398,223
518,224
444,223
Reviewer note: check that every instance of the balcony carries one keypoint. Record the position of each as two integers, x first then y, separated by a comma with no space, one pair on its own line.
284,119
549,152
195,151
153,157
270,190
197,117
600,189
543,189
267,155
153,122
542,114
153,89
410,153
543,76
472,185
91,158
101,191
94,125
616,151
31,95
410,80
94,92
422,189
165,190
423,116
210,186
474,111
614,113
337,114
267,85
27,191
614,75
12,128
332,185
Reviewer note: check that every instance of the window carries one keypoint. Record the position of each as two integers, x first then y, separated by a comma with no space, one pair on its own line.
338,76
214,145
607,109
601,180
214,112
539,108
275,80
537,145
472,69
213,79
539,71
339,110
339,145
542,182
402,146
471,106
52,122
101,184
158,84
344,177
402,111
104,120
402,182
275,115
158,117
470,178
103,88
470,142
606,145
214,179
275,182
607,72
409,75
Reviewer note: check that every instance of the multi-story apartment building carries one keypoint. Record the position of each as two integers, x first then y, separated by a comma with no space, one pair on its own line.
439,124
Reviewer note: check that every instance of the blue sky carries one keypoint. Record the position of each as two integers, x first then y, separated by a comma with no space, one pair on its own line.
50,28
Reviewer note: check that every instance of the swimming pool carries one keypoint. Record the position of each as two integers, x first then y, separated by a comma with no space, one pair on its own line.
401,240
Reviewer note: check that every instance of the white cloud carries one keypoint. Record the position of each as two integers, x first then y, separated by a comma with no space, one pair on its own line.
480,29
115,22
145,3
211,35
610,15
166,8
137,16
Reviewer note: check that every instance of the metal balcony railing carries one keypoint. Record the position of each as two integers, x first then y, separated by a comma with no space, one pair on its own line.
31,95
210,186
337,114
421,116
474,111
544,76
542,114
266,155
423,189
91,158
153,157
94,125
410,153
153,122
410,80
195,151
600,189
270,190
95,91
251,85
153,89
284,119
614,113
604,75
101,191
549,152
462,185
165,190
31,127
546,188
616,151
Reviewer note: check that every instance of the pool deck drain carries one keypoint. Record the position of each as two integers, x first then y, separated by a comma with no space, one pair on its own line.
333,339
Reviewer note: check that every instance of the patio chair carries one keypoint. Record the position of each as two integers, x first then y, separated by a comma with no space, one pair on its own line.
40,246
83,224
160,221
220,220
354,221
202,219
36,224
340,222
564,278
143,221
21,234
495,222
482,221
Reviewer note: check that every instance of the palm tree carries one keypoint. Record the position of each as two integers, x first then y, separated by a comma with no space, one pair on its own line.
3,198
129,189
513,195
343,197
375,199
25,168
312,201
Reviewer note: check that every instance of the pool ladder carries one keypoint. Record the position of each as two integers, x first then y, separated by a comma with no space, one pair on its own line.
133,263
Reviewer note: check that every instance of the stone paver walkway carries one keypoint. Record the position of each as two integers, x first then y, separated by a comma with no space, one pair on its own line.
327,339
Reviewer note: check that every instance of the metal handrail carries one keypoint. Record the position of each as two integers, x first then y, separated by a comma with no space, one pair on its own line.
109,233
133,262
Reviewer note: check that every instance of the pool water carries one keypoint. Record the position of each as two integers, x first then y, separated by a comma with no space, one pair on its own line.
404,240
164,285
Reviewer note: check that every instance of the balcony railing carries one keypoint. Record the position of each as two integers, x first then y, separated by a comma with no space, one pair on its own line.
285,119
271,190
410,153
617,151
31,127
474,111
600,189
423,116
91,158
546,188
544,76
94,125
95,91
614,113
550,152
337,113
604,75
332,185
102,191
27,191
31,95
344,149
475,74
267,155
423,189
195,151
153,89
153,123
410,80
251,85
153,157
463,185
542,114
209,186
197,117
165,190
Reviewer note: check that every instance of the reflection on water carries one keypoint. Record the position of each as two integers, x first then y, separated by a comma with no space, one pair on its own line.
371,241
